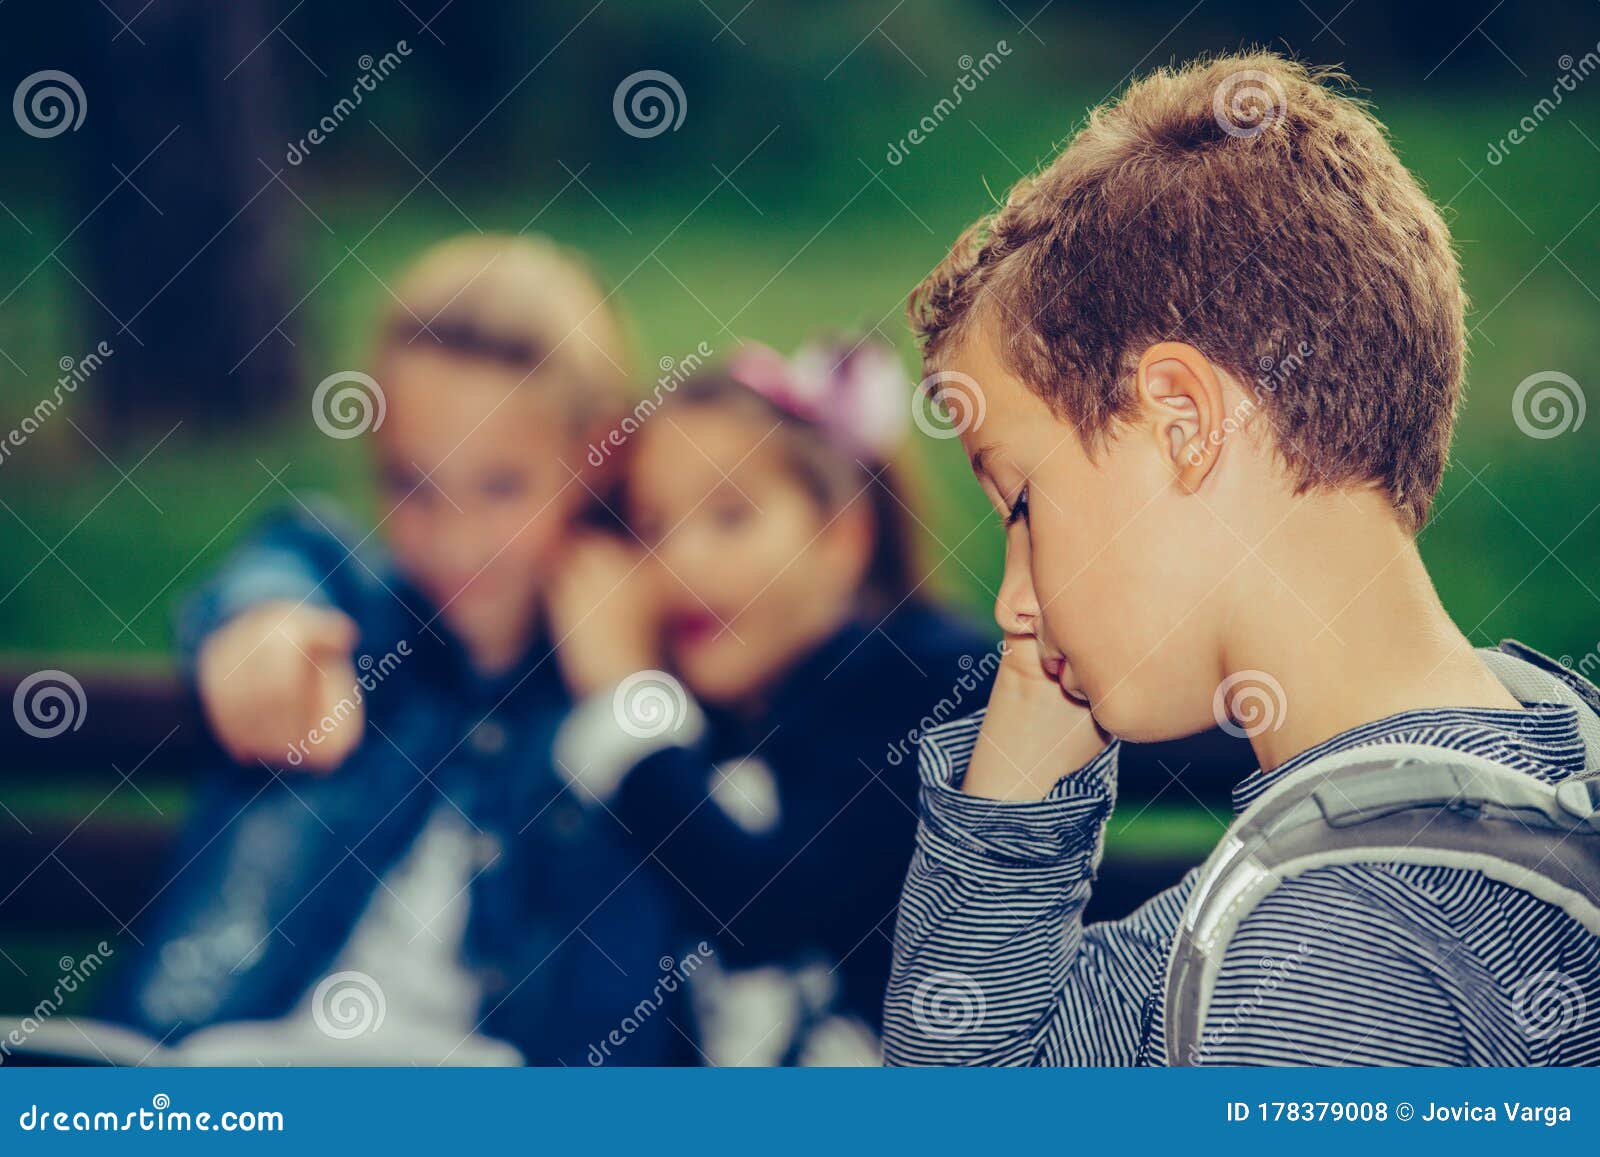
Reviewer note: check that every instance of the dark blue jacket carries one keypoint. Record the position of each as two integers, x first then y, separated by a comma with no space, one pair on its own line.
839,738
568,925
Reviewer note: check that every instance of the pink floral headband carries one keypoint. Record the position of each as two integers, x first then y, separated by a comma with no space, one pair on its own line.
855,392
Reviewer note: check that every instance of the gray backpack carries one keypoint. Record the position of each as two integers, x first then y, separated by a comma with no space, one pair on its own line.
1407,804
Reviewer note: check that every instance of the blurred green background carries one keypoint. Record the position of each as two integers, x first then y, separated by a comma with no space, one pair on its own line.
773,212
813,230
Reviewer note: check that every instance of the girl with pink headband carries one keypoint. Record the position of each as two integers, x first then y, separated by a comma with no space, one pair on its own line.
758,661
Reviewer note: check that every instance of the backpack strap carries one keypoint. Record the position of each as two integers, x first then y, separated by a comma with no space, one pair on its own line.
1406,804
1536,678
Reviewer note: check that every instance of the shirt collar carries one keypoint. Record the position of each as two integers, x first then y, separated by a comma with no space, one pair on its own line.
1542,740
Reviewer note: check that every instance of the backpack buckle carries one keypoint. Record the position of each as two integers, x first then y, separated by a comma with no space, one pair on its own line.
1371,791
1580,798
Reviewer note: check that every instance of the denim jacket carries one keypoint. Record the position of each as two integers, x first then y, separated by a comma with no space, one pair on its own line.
567,927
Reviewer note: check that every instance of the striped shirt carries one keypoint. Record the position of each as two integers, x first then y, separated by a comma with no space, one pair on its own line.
1363,964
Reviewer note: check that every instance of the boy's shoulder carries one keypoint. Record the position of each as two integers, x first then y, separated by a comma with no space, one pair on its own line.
309,550
1372,964
1428,868
316,523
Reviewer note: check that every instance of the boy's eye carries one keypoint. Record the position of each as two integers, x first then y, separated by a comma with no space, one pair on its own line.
401,481
1019,508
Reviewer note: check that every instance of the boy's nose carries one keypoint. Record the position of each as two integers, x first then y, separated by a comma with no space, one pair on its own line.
1016,608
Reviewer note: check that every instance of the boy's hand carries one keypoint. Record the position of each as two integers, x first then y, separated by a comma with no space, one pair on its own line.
604,614
268,679
1032,734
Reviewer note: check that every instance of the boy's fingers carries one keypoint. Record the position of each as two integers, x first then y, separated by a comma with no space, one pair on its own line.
327,630
249,709
269,706
263,682
334,719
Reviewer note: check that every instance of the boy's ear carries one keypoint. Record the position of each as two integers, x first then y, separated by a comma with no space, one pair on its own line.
1182,393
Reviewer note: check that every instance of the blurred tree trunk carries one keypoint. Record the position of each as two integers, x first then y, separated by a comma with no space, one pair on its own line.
187,254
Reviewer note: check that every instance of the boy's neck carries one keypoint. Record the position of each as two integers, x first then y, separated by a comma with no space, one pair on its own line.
1342,615
494,655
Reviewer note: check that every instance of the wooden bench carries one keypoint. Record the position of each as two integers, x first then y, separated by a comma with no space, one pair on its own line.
89,814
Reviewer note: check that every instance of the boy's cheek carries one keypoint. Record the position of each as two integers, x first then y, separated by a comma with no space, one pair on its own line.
1073,573
1151,675
406,536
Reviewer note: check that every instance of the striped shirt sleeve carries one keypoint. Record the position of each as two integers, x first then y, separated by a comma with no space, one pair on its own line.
993,964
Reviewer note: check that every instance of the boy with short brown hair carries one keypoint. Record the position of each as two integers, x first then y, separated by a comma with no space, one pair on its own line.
1207,364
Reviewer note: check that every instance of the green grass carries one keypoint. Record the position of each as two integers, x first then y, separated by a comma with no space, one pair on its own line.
39,801
1162,831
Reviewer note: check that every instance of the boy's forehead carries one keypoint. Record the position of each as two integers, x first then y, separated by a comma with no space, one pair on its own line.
987,391
463,415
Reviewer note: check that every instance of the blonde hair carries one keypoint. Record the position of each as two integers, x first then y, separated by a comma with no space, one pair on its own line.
521,300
